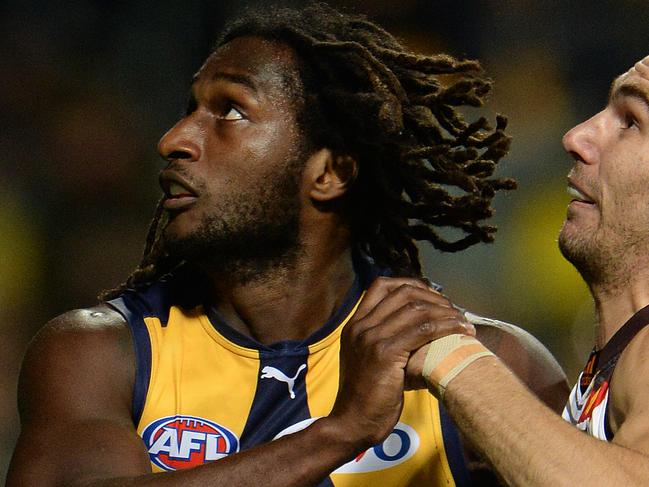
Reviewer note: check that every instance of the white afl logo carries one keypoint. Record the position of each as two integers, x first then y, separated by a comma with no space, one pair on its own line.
398,447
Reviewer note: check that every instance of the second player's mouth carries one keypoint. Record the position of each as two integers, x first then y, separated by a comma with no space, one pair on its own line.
579,196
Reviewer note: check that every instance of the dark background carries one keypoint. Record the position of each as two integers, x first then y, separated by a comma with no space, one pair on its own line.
88,87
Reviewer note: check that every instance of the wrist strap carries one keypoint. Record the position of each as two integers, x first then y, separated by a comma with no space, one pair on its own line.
447,357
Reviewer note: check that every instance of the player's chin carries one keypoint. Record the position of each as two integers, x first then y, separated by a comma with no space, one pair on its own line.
173,231
180,224
576,229
580,219
177,242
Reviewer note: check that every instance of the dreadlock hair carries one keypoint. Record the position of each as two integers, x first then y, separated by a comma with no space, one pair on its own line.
422,166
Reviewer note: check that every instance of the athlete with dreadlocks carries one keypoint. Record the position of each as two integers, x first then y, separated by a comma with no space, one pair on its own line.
279,311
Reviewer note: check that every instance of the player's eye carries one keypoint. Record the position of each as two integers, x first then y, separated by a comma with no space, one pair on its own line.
232,114
629,121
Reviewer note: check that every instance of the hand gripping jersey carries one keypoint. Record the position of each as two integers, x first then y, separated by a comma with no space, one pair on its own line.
203,391
587,404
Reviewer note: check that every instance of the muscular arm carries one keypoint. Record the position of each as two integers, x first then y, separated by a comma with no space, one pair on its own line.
532,363
76,387
529,445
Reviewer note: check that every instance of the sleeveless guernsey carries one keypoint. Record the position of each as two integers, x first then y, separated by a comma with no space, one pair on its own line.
587,406
203,391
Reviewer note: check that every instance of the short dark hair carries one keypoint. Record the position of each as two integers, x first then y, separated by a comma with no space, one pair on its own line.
422,166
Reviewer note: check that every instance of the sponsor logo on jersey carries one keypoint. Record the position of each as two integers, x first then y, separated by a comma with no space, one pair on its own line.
178,442
269,372
398,447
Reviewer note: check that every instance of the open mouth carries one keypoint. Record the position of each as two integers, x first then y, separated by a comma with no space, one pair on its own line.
178,193
177,190
578,195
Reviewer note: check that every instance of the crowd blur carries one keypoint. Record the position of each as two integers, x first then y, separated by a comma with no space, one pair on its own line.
89,86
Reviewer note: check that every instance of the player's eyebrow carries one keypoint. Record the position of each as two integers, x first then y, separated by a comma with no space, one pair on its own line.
620,89
240,79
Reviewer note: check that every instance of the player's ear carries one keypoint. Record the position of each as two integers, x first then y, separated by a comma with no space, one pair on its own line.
329,175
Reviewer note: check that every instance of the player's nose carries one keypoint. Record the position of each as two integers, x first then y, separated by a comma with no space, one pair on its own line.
581,140
180,142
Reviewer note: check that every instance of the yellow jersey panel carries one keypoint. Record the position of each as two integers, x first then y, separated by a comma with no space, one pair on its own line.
181,353
204,391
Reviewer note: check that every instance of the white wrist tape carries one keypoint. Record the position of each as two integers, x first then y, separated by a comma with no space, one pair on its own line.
447,357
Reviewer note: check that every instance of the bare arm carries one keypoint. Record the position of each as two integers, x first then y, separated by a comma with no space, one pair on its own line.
529,445
530,361
533,364
76,387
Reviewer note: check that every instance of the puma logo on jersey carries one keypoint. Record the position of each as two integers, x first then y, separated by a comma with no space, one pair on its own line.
269,372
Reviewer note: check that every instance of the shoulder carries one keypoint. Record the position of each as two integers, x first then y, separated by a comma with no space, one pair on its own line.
98,330
629,395
87,350
526,356
96,321
75,400
630,380
633,357
634,354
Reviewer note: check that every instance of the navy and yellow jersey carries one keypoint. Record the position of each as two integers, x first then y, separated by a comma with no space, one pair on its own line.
204,391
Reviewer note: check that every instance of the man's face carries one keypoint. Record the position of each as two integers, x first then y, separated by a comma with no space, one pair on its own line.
232,185
607,226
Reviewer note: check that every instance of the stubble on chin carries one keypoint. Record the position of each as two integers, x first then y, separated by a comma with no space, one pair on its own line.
581,253
599,258
243,254
248,235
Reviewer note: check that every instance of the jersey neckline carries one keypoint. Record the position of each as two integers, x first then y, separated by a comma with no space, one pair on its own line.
365,271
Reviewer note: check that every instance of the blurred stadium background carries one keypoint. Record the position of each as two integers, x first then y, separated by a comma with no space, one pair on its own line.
89,87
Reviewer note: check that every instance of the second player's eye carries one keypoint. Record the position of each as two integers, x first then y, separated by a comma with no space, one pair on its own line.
630,121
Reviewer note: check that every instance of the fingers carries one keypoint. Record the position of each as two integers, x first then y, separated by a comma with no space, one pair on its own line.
418,314
400,304
409,328
386,295
382,287
408,332
406,315
396,317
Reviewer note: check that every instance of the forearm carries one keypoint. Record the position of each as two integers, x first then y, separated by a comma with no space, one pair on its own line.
300,459
527,443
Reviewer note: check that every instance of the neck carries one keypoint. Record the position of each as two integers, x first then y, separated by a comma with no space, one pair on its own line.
615,305
288,302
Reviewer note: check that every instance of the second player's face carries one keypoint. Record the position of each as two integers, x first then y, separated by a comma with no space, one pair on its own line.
609,182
